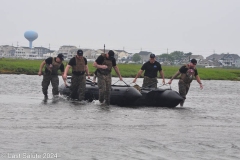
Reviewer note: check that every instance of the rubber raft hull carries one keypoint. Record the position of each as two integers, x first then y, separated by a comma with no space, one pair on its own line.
130,96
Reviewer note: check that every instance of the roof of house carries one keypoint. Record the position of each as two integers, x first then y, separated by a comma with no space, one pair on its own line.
144,53
234,56
215,56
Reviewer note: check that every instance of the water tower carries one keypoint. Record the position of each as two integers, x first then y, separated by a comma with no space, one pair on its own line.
30,36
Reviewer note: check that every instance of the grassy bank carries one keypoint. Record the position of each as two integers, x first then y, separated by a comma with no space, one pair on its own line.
31,67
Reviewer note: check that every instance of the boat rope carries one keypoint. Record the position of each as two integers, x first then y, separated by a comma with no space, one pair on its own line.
165,85
123,81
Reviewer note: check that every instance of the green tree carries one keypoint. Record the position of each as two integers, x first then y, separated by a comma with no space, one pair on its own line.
136,57
177,55
166,57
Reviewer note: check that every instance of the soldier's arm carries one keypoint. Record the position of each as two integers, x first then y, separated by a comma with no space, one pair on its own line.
41,67
162,75
118,72
199,81
66,71
175,75
138,74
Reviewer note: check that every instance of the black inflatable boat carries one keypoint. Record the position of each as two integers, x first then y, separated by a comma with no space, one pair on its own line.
126,95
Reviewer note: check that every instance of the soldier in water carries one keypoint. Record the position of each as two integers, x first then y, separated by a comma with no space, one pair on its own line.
151,68
52,65
187,72
104,64
79,71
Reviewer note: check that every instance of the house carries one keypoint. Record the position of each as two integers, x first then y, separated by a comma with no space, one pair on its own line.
237,63
229,59
67,51
50,54
22,52
7,51
41,50
215,57
144,55
120,54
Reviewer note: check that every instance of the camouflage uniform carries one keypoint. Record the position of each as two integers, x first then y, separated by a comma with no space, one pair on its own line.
185,81
51,75
78,86
149,82
104,85
78,81
105,81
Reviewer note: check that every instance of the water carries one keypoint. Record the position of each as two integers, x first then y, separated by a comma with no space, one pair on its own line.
206,128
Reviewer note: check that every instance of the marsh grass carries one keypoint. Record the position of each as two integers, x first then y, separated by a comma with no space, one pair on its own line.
31,67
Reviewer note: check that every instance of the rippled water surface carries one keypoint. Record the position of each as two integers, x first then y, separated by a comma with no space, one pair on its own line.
207,127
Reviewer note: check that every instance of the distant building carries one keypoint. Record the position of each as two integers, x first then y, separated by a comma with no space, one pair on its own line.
22,52
40,51
215,57
237,63
50,54
7,51
224,59
120,54
229,59
67,51
144,55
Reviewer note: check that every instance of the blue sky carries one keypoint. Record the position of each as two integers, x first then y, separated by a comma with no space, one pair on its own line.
158,26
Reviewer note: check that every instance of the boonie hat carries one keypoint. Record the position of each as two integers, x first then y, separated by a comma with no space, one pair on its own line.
61,56
152,55
80,52
193,61
111,54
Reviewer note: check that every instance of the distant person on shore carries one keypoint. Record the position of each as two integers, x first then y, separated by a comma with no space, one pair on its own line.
104,64
151,68
78,80
52,65
187,72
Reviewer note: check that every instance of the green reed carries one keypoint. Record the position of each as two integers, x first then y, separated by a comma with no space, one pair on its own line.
31,67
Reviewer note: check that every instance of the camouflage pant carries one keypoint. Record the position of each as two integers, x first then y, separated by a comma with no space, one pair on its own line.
183,88
46,82
104,85
149,82
78,86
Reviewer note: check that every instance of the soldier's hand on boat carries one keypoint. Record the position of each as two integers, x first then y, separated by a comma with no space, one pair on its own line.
134,81
39,73
64,77
163,81
88,77
120,78
201,86
65,83
170,81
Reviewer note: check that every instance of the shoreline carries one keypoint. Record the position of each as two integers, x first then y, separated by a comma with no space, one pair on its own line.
31,67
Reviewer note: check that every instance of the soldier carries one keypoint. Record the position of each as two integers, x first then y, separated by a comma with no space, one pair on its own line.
151,68
104,64
187,72
52,65
79,71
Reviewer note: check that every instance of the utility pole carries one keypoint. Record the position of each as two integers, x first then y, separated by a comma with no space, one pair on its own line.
49,49
104,48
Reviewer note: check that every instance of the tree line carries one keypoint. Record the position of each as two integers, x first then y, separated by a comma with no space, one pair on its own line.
171,57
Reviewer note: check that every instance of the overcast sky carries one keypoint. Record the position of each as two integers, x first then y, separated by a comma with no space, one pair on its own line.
158,26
